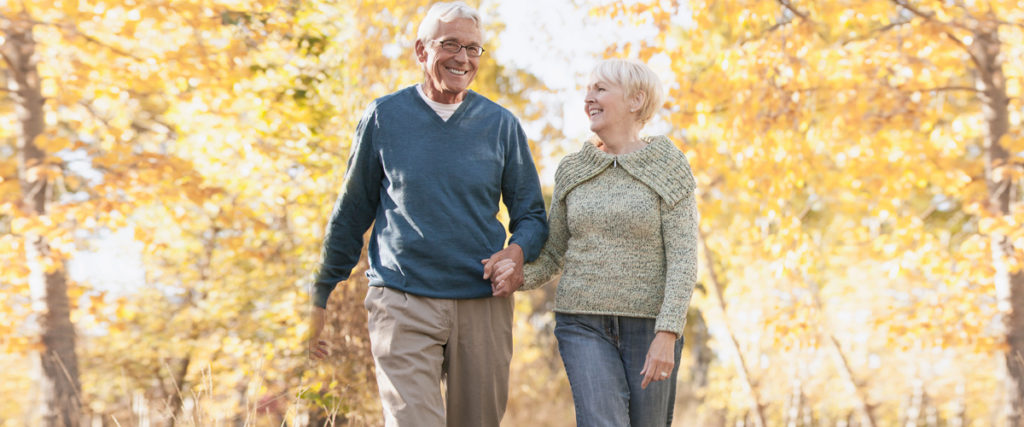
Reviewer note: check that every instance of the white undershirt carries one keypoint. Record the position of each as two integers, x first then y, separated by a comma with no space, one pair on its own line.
443,110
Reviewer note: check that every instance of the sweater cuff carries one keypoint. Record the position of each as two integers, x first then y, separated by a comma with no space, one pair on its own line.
531,249
321,292
673,326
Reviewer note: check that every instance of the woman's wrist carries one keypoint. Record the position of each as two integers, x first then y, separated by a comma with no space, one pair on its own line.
673,335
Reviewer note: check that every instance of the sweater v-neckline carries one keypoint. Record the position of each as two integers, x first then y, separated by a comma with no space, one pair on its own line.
457,115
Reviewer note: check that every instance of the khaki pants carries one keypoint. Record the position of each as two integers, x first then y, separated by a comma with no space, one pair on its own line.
420,344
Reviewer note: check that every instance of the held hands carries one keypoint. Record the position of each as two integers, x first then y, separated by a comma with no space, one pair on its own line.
505,269
502,275
660,358
318,349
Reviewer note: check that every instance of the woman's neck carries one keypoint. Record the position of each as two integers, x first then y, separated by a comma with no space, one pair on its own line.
622,142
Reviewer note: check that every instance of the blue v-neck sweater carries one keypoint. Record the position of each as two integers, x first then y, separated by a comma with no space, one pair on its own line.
431,189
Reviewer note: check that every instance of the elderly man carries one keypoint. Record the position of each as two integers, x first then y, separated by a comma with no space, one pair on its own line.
428,167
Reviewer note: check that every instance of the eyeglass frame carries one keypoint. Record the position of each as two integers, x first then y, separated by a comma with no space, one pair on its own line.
461,46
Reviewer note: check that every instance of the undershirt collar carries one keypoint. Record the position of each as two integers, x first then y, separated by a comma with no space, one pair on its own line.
443,110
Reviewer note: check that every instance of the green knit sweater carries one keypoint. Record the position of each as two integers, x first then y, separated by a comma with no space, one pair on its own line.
625,230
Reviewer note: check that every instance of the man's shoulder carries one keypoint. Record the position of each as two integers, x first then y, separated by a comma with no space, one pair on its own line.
393,99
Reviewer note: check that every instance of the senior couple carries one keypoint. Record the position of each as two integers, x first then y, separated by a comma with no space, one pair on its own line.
428,168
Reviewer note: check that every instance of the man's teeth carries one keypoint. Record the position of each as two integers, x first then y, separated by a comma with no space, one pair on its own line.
457,72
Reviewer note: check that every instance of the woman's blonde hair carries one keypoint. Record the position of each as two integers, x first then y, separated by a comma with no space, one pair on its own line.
635,77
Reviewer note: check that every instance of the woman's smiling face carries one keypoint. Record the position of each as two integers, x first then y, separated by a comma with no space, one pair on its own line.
606,106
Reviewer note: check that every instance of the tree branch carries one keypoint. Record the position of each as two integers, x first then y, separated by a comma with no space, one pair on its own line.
95,114
928,16
96,41
914,10
788,5
7,59
766,32
974,59
872,33
944,89
1008,23
6,19
73,30
931,18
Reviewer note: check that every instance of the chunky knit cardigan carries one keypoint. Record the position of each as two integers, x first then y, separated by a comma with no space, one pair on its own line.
625,229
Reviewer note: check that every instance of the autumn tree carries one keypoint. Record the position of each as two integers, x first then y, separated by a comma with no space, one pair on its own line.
217,133
859,166
87,85
59,383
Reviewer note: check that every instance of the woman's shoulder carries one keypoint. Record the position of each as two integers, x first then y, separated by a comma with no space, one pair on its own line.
665,154
663,167
587,158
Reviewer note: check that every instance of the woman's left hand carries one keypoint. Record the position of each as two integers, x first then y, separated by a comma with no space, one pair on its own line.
661,358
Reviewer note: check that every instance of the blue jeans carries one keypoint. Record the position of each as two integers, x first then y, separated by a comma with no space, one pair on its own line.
603,357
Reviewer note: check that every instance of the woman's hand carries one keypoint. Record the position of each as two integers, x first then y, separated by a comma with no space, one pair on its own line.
661,358
501,276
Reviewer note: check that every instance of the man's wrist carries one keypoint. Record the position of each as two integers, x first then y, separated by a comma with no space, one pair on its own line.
517,248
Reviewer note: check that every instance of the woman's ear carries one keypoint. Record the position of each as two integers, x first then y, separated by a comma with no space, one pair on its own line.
637,101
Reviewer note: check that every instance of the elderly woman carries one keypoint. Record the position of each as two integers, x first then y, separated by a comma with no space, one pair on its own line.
624,232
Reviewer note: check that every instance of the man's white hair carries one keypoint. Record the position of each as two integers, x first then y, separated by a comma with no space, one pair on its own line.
446,12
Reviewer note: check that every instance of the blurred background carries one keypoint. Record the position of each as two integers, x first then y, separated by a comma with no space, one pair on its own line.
167,168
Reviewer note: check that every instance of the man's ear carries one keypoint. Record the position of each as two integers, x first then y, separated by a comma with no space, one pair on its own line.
421,51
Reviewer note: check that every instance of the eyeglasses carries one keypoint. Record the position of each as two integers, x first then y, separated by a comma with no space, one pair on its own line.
453,46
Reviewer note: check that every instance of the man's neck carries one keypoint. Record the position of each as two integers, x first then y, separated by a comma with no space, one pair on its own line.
441,96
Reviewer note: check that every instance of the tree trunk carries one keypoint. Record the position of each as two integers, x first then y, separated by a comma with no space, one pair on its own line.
959,418
991,82
867,418
58,385
178,378
757,412
795,403
702,355
916,404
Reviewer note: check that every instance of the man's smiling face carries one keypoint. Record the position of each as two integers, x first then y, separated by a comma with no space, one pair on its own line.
448,75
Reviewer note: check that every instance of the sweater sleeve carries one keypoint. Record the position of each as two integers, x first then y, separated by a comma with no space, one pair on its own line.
679,224
520,191
552,255
353,213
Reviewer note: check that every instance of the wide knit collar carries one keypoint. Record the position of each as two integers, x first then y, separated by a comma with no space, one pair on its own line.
659,165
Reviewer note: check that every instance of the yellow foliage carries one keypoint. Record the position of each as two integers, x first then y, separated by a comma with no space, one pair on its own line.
839,149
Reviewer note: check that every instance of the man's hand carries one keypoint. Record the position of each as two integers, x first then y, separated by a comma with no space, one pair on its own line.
503,285
318,349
